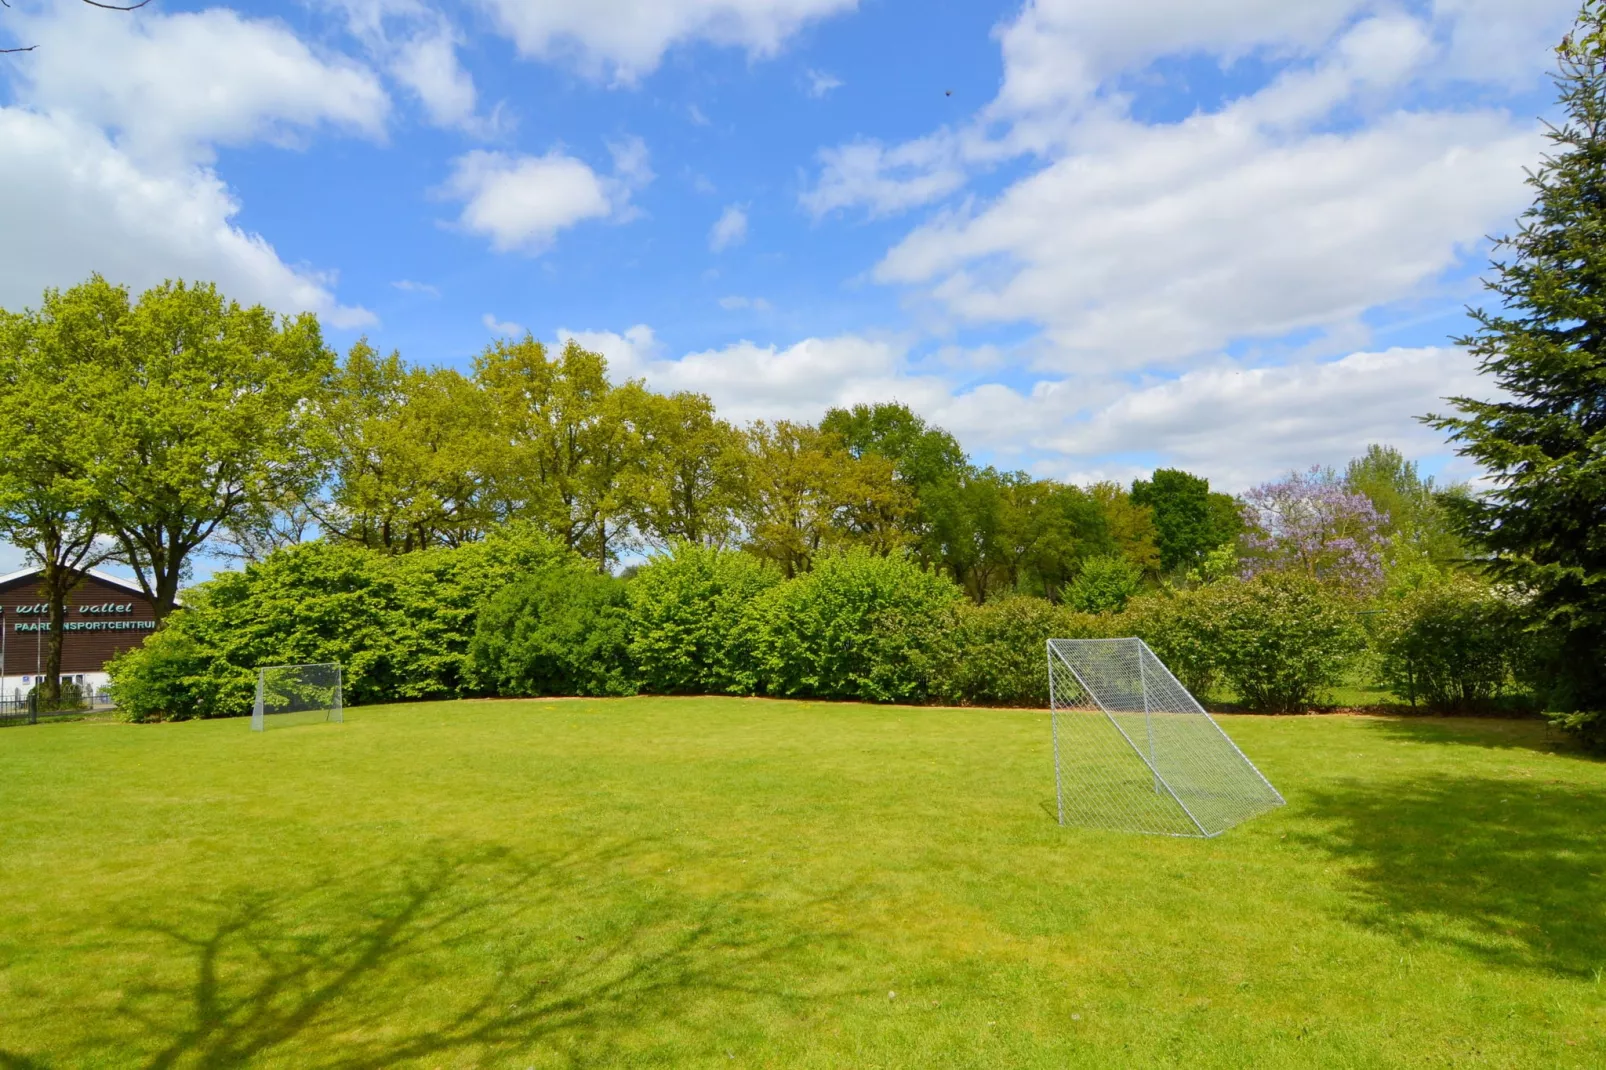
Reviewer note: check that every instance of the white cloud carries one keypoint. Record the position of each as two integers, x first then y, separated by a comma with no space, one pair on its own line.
885,181
821,83
626,39
1163,242
735,302
730,229
522,202
1242,425
74,204
1061,51
630,161
502,328
1235,423
427,64
417,45
1498,41
409,286
172,86
749,382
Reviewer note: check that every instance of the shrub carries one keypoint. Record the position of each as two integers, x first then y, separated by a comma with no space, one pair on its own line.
856,627
399,626
1104,584
996,654
1179,627
1280,639
561,631
686,612
1454,644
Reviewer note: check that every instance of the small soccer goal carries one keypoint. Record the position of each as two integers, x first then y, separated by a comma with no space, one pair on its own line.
1135,752
295,695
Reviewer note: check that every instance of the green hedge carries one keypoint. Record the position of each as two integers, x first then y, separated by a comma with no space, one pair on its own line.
562,631
855,627
1454,644
399,626
1277,641
997,654
687,614
515,615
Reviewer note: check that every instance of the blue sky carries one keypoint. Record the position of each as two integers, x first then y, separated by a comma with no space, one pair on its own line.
1087,236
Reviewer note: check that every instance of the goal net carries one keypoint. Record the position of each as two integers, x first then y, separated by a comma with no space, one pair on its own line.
296,694
1134,751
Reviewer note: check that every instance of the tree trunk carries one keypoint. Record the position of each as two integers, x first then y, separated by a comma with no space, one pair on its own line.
59,580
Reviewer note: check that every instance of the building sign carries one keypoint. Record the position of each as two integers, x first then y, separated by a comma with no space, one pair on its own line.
98,610
89,626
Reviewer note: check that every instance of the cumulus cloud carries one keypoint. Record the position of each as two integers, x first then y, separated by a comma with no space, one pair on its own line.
172,86
109,141
1171,241
748,381
521,202
1236,423
417,45
75,203
1241,425
624,40
730,229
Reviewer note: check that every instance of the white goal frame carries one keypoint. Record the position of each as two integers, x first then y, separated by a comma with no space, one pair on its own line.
1135,752
333,683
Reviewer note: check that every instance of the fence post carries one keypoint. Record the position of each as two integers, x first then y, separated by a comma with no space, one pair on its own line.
33,706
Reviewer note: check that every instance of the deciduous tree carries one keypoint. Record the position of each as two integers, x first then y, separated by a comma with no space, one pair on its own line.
198,414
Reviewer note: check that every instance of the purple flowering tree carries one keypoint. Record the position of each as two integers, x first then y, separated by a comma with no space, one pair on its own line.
1310,523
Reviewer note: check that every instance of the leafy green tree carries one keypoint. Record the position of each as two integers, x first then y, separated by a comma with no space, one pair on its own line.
1414,520
690,483
568,444
804,493
1130,525
47,505
405,452
1104,584
1189,520
1543,441
200,411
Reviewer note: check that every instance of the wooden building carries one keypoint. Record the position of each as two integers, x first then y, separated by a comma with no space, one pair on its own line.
105,616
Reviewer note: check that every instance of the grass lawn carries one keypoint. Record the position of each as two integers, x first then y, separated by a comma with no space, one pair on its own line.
731,882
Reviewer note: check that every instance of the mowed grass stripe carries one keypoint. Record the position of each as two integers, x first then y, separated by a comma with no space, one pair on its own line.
700,882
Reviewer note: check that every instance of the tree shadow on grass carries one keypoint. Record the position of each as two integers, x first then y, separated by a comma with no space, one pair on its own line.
1491,732
475,953
1511,872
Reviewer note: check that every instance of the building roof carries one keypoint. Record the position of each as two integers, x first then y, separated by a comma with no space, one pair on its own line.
103,577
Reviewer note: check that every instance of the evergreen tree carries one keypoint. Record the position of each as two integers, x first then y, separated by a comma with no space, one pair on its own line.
1543,525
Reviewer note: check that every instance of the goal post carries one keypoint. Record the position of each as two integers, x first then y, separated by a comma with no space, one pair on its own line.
297,694
1134,751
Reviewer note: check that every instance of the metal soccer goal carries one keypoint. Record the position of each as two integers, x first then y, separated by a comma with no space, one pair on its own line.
1135,752
297,694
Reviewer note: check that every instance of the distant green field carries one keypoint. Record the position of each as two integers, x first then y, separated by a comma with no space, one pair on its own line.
731,882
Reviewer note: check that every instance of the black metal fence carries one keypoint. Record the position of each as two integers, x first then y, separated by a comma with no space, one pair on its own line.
32,709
